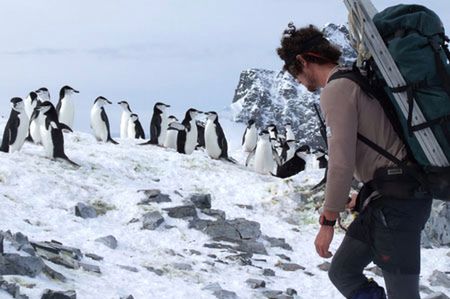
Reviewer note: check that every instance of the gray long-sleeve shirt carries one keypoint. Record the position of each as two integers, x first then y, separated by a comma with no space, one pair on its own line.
348,111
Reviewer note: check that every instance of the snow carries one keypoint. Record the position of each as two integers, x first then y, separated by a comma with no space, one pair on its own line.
38,196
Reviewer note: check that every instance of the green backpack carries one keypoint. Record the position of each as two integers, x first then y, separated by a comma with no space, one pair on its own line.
416,40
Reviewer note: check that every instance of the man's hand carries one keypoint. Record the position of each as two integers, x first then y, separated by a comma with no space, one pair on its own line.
323,241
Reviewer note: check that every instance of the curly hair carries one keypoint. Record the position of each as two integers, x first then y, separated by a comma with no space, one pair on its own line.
308,42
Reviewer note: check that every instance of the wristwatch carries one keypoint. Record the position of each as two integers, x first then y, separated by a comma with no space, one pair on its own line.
325,221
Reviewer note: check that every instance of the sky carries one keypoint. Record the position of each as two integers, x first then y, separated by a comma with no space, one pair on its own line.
183,53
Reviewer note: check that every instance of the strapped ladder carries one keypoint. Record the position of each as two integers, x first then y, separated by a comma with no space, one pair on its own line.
366,35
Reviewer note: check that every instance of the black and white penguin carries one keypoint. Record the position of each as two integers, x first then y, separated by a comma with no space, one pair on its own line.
215,141
273,133
200,133
289,133
188,136
296,164
65,106
30,103
135,130
100,122
250,137
51,133
288,150
321,157
158,124
16,129
172,133
36,118
266,157
126,113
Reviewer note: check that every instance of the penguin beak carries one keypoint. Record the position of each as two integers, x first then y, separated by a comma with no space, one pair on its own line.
167,106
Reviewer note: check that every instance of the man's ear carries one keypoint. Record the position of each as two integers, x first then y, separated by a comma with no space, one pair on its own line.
300,58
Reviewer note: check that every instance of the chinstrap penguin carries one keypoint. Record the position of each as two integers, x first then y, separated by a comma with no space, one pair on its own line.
188,136
16,129
124,119
266,157
135,129
100,122
65,106
250,137
215,141
172,133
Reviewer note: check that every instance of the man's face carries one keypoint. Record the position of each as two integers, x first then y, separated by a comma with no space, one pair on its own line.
307,78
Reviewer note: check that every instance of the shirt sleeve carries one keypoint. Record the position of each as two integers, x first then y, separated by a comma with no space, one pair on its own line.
338,102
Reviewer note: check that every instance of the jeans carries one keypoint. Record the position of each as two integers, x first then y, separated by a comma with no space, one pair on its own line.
388,233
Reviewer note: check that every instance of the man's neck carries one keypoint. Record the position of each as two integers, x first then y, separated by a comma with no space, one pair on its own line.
323,73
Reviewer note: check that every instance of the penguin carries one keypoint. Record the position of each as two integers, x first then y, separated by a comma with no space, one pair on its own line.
100,122
158,124
215,141
16,129
51,133
289,133
288,150
30,103
321,157
65,106
36,118
172,133
201,134
124,119
265,155
135,129
250,137
295,165
187,137
273,132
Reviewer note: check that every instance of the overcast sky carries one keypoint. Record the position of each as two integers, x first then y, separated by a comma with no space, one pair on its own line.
187,53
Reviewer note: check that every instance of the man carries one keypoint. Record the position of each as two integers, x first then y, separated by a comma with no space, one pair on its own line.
387,230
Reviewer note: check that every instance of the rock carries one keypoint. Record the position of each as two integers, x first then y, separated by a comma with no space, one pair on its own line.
152,220
20,241
182,211
290,266
182,266
448,254
425,289
251,246
376,270
14,264
50,294
256,283
247,229
84,211
224,294
129,268
48,249
154,196
109,241
284,257
218,214
127,297
437,229
268,272
218,246
12,289
158,272
201,201
195,252
439,279
94,257
324,266
291,292
272,293
278,242
247,207
90,268
437,295
53,274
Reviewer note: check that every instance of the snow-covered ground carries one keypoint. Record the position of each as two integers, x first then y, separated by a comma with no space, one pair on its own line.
38,196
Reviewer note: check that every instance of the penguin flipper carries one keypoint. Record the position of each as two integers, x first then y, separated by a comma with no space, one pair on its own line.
63,126
276,157
5,141
13,131
65,158
250,156
322,182
112,140
243,136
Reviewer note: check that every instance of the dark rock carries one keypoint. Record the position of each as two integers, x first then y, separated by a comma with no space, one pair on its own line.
290,266
133,220
50,294
251,246
154,196
224,294
376,270
14,264
247,229
90,268
324,266
439,279
151,193
309,273
53,274
152,220
182,211
201,201
241,259
268,272
158,272
94,257
291,292
195,252
278,242
84,211
109,241
199,224
247,207
12,289
222,231
284,257
128,268
20,241
425,289
218,214
437,295
218,246
49,249
182,266
272,293
213,256
256,283
127,297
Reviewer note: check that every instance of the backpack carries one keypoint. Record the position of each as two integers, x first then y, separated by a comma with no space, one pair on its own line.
416,40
